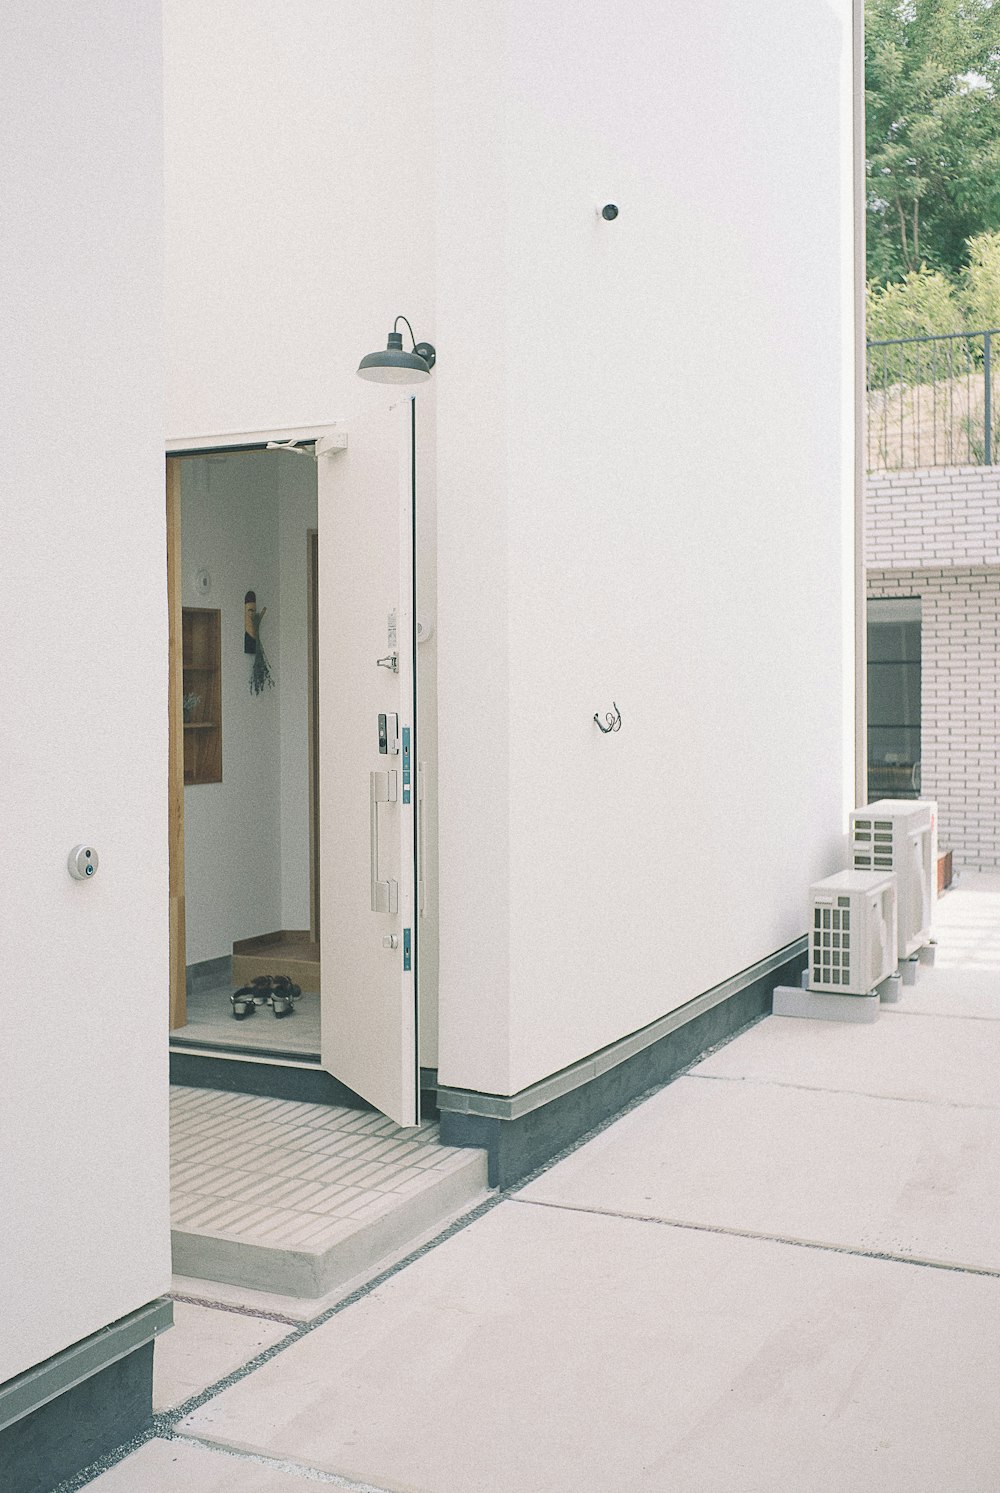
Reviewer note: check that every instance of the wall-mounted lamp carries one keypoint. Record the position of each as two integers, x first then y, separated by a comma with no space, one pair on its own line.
394,366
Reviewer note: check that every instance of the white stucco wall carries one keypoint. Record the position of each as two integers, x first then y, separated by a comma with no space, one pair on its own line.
645,496
644,469
300,204
83,1062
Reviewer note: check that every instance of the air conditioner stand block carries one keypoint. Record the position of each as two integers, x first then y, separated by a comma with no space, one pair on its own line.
819,1005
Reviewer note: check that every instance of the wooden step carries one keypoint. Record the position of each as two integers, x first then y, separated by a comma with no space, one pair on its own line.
289,953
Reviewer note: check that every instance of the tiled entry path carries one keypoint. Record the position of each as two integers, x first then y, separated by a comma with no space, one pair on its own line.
299,1199
779,1274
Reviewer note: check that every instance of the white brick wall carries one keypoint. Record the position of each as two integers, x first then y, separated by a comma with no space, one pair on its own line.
935,534
960,679
941,516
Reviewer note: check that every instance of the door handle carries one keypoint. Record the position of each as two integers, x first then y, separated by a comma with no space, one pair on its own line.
421,843
383,789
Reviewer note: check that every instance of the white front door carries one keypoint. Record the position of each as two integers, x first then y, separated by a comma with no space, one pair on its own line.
368,757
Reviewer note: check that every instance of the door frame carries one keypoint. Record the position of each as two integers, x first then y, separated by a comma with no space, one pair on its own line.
312,628
175,768
325,438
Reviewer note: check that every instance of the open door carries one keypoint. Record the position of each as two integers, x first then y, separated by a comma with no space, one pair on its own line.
367,761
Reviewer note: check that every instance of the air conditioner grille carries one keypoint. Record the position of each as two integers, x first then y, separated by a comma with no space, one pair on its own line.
831,951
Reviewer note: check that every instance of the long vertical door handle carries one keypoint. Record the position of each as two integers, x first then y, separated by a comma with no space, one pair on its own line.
421,839
383,790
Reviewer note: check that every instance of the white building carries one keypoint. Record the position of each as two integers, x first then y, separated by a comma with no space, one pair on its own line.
635,483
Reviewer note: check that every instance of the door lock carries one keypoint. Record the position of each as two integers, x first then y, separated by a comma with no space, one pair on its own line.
391,941
388,734
391,661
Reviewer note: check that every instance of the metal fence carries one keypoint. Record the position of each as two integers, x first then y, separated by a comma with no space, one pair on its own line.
932,402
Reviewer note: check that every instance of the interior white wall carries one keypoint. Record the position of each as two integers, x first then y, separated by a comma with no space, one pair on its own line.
644,436
232,829
83,1062
661,436
244,519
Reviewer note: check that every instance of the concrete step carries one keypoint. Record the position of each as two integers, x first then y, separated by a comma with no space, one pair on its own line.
298,1199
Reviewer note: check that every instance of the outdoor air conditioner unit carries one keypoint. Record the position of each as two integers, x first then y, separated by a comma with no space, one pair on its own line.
900,835
852,933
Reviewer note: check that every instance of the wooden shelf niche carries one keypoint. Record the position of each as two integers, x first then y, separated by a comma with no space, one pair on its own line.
202,669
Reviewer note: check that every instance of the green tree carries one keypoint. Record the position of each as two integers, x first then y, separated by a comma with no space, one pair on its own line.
932,91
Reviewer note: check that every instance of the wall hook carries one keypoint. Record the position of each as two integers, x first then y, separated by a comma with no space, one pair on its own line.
614,721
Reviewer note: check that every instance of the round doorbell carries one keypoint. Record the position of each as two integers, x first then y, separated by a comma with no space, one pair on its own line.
82,862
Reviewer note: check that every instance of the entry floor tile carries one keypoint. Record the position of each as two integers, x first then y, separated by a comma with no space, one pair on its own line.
541,1349
202,1347
901,1055
299,1198
210,1023
882,1175
175,1467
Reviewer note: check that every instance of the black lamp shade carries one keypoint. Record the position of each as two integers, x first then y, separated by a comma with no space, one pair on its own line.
394,366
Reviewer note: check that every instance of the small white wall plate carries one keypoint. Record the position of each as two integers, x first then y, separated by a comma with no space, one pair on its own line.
202,582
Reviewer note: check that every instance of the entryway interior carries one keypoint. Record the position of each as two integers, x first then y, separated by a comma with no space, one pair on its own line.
245,526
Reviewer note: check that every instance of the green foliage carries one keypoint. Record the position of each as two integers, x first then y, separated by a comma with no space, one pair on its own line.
982,281
923,302
932,81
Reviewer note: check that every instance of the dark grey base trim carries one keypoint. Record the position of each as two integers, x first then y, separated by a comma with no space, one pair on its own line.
308,1085
66,1435
63,1371
209,973
78,1405
523,1141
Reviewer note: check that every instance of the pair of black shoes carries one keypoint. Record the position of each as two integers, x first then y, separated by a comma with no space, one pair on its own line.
276,991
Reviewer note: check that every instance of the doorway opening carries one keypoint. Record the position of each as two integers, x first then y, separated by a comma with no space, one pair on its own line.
243,571
294,580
